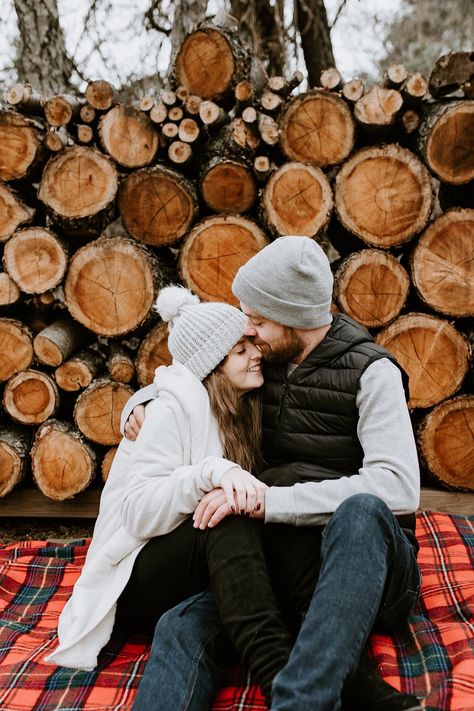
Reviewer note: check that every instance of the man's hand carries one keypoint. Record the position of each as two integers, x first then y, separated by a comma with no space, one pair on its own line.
134,422
243,491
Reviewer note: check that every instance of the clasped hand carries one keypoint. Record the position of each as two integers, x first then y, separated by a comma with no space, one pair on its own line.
239,493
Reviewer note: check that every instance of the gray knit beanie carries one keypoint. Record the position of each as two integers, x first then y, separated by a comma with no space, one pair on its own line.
201,334
289,281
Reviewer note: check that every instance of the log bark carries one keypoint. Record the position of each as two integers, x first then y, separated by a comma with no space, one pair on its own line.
14,456
119,364
450,72
55,343
152,353
9,292
35,259
297,200
371,287
213,252
21,146
100,94
98,408
446,443
31,397
79,187
129,136
442,264
446,140
433,353
228,186
63,463
383,195
211,61
112,284
13,212
79,371
16,346
107,463
313,27
157,205
317,128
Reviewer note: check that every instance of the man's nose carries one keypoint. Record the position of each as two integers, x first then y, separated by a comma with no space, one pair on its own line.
250,330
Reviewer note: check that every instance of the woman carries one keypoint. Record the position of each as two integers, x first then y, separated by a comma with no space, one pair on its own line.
202,432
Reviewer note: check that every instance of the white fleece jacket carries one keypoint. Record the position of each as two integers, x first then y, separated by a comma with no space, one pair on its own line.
153,485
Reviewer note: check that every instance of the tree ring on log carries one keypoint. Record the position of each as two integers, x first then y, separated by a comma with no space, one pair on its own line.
297,200
213,252
442,264
35,259
97,410
371,287
16,347
447,442
433,353
129,136
13,212
205,63
317,128
31,397
449,149
384,195
79,182
157,205
21,142
228,186
110,285
152,353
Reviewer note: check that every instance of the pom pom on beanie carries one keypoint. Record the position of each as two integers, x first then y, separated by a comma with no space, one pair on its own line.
171,300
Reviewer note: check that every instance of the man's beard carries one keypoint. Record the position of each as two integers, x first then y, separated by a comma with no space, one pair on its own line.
288,347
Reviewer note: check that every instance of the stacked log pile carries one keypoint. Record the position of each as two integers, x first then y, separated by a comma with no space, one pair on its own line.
103,203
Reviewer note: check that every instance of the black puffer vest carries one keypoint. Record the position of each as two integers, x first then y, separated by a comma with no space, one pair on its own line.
310,418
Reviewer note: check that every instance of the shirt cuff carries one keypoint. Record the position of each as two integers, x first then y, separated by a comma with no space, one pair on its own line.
219,468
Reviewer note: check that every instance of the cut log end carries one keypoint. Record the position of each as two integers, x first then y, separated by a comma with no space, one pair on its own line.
17,347
97,411
9,291
129,136
21,142
100,94
228,186
449,145
36,259
31,397
107,462
205,63
152,353
13,212
14,457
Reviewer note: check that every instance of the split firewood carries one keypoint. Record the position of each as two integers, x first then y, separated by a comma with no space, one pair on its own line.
98,408
372,287
36,259
213,252
442,265
14,456
384,195
152,353
446,444
129,136
119,364
13,212
16,346
297,200
100,95
22,145
451,72
317,128
62,462
157,205
433,353
31,397
79,371
446,140
244,135
55,343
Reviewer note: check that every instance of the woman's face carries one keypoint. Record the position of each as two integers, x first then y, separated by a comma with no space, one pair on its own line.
243,366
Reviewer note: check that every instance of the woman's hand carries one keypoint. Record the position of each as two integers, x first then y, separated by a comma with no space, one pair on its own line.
243,492
214,507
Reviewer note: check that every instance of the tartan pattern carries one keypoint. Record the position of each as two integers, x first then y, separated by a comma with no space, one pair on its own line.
433,657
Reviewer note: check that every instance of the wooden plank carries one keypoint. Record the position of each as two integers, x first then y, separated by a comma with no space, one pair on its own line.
29,502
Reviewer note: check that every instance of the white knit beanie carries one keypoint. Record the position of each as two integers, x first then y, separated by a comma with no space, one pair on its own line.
201,334
289,281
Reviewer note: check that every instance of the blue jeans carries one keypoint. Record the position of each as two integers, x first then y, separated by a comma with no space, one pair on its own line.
369,579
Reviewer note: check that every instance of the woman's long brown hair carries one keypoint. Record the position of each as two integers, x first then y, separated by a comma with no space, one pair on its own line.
239,420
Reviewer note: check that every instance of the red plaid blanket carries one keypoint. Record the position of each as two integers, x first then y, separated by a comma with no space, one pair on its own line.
433,657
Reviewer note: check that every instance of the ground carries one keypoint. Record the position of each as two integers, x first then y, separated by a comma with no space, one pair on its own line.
28,529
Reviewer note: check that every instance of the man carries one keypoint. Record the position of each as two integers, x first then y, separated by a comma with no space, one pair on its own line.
342,466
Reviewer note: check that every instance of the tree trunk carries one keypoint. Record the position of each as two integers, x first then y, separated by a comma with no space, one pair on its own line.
442,264
371,287
152,353
383,195
35,259
13,212
297,200
31,397
213,252
317,128
16,346
14,456
43,60
433,353
262,25
97,410
446,443
63,463
313,26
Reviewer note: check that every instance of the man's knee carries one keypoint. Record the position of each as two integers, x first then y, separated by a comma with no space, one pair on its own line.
361,513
